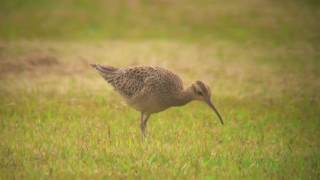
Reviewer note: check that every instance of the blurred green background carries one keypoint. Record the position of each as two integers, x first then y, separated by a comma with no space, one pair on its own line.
268,21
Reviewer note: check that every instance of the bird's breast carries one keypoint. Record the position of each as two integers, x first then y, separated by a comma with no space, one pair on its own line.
151,104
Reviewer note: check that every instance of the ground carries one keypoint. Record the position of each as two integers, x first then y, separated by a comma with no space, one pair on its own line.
60,119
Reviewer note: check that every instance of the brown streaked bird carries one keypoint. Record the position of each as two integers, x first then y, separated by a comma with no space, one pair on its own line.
151,89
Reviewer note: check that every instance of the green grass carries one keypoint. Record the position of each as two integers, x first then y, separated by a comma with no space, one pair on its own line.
60,119
254,21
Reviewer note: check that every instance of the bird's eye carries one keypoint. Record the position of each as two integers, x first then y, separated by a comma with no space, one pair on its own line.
199,93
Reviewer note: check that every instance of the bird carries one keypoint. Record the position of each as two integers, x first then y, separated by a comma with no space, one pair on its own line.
152,89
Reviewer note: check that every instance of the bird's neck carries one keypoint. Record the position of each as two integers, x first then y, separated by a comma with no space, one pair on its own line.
184,97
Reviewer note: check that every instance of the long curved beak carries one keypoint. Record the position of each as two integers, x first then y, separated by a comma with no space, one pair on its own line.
215,110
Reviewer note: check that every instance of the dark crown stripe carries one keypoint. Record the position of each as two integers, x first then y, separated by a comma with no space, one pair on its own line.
202,86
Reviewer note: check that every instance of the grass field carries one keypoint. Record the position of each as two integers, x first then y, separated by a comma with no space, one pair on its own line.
59,119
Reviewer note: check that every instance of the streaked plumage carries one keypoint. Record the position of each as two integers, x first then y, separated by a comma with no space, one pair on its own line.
152,89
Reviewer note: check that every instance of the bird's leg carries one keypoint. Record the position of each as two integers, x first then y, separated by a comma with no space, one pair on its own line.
143,123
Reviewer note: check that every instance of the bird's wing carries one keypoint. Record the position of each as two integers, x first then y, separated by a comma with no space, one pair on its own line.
138,81
161,82
130,81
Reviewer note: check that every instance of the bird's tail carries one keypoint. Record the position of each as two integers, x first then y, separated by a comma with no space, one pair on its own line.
106,71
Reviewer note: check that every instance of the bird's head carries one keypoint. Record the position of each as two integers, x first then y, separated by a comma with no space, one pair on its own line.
202,92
